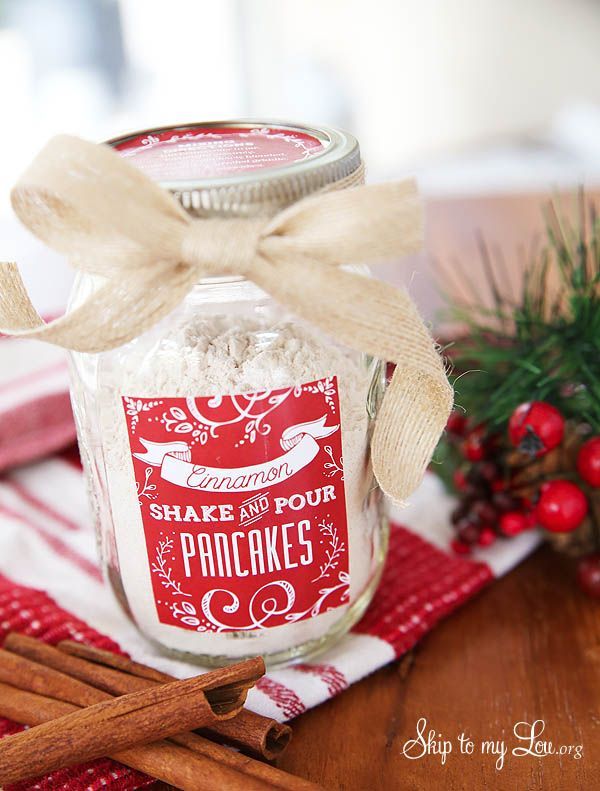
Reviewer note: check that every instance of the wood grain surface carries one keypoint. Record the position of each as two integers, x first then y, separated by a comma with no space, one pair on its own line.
526,648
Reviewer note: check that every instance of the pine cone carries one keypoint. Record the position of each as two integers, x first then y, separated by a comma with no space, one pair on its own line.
527,475
586,538
577,543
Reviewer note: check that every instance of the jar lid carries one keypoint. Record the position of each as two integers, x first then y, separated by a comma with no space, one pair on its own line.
242,167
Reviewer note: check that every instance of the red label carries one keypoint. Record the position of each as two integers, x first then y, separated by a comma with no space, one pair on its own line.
242,502
211,152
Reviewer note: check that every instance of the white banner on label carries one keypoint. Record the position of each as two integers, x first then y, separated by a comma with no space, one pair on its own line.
174,460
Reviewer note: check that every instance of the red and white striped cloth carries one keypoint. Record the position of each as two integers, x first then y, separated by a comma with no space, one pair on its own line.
51,585
35,410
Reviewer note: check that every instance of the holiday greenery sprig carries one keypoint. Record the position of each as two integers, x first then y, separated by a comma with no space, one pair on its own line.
525,449
543,345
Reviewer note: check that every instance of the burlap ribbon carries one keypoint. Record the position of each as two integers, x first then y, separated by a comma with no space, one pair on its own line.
83,200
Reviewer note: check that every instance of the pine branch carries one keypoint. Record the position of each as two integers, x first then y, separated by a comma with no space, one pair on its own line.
543,344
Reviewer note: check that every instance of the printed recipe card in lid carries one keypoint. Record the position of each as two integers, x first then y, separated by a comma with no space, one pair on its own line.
227,447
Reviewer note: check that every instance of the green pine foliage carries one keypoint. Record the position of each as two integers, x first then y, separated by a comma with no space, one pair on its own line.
544,344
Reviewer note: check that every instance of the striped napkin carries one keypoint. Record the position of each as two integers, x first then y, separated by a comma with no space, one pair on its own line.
35,410
51,585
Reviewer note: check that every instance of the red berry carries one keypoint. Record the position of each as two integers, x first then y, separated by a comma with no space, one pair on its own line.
562,506
468,533
474,477
488,471
536,427
512,523
472,492
473,446
588,461
588,575
460,480
484,511
459,512
504,501
498,485
459,548
487,536
457,424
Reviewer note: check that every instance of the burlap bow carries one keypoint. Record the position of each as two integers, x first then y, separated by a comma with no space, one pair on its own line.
84,200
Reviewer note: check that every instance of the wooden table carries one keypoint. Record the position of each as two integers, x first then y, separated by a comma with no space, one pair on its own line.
527,648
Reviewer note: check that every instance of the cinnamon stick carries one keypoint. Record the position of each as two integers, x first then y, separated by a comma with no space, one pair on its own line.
123,722
162,760
261,736
107,679
110,659
29,675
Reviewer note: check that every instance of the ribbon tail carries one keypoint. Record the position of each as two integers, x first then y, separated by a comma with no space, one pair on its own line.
17,312
114,314
374,317
409,424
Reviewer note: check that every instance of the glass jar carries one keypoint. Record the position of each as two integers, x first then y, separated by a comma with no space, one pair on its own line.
226,450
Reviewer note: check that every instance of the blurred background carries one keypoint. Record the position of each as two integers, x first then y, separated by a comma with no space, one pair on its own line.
473,96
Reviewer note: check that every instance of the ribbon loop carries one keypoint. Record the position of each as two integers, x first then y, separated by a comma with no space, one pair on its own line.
105,218
84,200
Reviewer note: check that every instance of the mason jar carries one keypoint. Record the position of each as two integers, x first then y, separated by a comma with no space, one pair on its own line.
227,449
